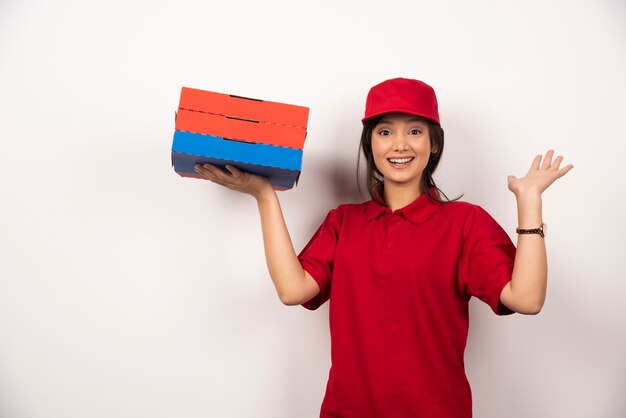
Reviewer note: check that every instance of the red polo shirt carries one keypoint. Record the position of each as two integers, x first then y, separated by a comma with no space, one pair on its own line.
399,284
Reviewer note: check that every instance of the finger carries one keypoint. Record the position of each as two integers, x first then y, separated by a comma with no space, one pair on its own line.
214,174
221,179
233,170
565,170
547,161
217,171
536,162
200,169
556,163
230,177
204,167
209,175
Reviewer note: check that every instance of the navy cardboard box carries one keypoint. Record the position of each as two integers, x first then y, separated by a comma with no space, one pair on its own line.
281,165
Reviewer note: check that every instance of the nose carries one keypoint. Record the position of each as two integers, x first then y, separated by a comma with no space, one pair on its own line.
401,143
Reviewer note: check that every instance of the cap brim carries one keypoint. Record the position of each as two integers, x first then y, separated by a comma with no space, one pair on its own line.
385,112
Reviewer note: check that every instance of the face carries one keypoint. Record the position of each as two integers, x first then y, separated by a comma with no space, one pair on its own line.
401,149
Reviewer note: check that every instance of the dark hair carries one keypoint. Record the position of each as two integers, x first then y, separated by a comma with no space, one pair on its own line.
374,178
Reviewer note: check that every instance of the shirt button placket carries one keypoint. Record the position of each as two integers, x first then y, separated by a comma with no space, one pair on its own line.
393,228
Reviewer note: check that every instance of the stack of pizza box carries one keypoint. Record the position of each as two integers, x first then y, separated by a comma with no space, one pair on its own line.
257,136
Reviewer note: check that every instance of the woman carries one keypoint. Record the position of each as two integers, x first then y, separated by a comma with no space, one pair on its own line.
399,269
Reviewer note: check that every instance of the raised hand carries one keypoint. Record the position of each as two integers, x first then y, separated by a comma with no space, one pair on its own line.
540,175
238,180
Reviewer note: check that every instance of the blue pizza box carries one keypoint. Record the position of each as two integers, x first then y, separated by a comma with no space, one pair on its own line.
281,165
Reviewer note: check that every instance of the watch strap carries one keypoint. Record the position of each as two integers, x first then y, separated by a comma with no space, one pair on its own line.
538,231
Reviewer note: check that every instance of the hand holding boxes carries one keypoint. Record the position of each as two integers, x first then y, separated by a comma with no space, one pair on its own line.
257,136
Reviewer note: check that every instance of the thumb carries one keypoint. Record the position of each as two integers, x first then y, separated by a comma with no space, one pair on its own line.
510,179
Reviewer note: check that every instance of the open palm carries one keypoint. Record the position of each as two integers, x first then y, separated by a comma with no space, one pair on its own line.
540,175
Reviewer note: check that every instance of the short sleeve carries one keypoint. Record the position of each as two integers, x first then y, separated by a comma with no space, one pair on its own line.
487,258
317,257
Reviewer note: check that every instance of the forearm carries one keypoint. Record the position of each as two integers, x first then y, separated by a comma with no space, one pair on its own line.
530,271
282,262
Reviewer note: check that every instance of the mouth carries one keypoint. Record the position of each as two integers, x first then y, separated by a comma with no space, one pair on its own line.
400,162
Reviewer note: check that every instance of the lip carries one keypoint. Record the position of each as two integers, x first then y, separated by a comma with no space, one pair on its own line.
400,165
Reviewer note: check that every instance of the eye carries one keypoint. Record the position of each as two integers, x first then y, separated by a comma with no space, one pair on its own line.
415,131
384,132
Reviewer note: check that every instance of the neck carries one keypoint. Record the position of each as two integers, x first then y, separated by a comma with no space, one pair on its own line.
398,196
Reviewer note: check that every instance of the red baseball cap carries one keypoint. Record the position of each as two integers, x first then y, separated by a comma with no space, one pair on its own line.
402,95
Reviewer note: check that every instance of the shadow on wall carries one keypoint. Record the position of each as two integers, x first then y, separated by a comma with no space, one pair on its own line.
464,166
333,179
344,182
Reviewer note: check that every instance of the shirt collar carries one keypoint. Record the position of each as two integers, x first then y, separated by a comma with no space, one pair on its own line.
417,212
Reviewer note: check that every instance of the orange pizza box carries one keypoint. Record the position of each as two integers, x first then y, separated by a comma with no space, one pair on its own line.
241,118
238,129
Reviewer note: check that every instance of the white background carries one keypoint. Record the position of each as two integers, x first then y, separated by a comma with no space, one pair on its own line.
127,291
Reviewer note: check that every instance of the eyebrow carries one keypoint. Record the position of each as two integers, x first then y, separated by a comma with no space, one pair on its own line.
408,121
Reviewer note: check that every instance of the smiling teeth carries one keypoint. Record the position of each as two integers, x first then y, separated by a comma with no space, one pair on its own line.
400,160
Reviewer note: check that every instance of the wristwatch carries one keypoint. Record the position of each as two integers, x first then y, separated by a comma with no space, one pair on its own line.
542,230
